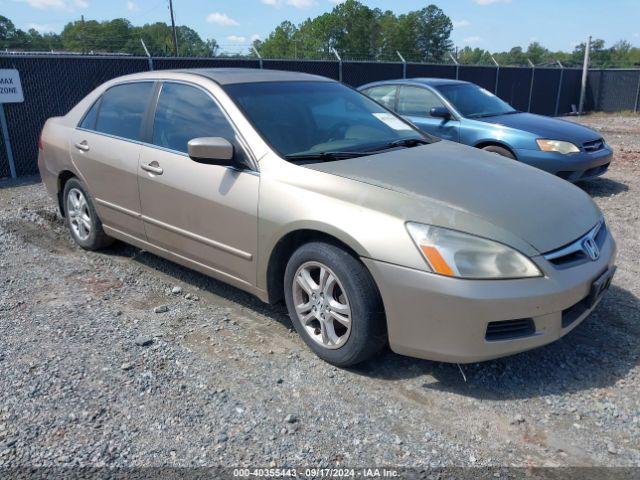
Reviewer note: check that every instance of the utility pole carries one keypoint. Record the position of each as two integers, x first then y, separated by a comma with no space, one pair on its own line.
173,27
585,73
84,44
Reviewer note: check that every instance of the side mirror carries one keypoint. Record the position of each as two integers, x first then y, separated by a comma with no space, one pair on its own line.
440,112
213,150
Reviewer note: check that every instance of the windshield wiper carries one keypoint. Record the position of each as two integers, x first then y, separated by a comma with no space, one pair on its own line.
325,156
403,142
495,114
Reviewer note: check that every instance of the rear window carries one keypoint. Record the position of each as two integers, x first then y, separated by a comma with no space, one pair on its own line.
122,110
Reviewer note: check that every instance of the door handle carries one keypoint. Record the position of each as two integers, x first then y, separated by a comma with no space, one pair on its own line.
155,169
84,146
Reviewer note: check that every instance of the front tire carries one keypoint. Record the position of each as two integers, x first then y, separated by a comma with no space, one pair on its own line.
81,217
500,151
334,304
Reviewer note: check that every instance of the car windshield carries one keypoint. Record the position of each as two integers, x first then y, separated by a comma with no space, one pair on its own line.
473,101
307,119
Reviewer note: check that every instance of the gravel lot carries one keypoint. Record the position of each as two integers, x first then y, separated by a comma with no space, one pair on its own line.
94,371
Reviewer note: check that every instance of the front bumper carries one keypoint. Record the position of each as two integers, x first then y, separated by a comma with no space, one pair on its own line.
445,319
572,167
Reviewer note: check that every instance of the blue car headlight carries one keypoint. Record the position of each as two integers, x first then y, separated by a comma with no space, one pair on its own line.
558,146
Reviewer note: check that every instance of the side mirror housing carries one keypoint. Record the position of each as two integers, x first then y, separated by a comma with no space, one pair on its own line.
440,112
213,150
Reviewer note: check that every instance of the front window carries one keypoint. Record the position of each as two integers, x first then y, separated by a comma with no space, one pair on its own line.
473,101
417,101
306,118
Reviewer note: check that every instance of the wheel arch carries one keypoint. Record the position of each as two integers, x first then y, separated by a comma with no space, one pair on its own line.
287,244
63,177
495,143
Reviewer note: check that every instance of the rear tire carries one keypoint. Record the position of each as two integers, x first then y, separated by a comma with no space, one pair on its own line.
500,151
325,285
81,217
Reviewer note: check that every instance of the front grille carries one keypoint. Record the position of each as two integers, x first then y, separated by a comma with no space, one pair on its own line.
573,254
571,314
510,329
593,146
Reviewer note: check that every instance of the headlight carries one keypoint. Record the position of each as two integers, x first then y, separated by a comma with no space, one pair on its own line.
557,146
457,254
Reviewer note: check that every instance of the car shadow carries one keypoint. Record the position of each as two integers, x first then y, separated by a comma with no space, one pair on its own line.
602,187
596,354
201,281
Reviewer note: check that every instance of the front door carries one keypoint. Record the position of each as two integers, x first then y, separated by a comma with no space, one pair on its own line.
203,213
105,149
415,104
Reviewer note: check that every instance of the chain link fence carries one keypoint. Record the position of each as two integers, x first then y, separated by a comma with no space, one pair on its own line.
53,84
614,90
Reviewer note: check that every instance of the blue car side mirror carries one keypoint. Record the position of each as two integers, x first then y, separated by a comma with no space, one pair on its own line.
440,112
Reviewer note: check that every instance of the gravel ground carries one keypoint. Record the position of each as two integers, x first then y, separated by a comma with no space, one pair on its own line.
121,358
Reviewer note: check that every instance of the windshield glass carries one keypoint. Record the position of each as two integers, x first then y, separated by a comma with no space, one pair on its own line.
473,101
300,118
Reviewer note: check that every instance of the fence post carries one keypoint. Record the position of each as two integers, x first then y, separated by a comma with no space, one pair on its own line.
635,109
148,54
533,76
404,65
585,71
7,141
559,87
455,60
497,73
255,50
339,63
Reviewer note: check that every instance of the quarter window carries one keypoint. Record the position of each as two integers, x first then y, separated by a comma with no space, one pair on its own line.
184,113
89,120
122,110
385,94
417,101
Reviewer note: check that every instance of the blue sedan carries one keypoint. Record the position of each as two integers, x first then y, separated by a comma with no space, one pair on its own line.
466,113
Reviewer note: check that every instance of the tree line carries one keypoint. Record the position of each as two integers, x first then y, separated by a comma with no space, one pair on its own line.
351,28
111,36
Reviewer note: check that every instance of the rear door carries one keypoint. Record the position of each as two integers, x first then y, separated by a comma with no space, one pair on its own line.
106,148
204,213
415,104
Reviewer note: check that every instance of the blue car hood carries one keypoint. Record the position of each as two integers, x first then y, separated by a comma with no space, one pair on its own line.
545,127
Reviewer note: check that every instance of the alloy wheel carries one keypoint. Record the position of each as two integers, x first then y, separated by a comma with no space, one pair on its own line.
322,305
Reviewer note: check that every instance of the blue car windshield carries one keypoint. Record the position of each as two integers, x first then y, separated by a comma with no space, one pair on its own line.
311,118
473,101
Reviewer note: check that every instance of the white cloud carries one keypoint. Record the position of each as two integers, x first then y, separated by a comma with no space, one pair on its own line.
461,23
490,2
302,4
56,4
237,39
336,2
132,7
471,40
221,19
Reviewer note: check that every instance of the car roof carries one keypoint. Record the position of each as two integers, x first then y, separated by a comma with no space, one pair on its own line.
430,81
228,76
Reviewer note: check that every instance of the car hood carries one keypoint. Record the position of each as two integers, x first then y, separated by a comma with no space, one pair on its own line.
545,127
540,209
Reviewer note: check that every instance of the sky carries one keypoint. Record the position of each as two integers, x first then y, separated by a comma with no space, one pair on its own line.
495,25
